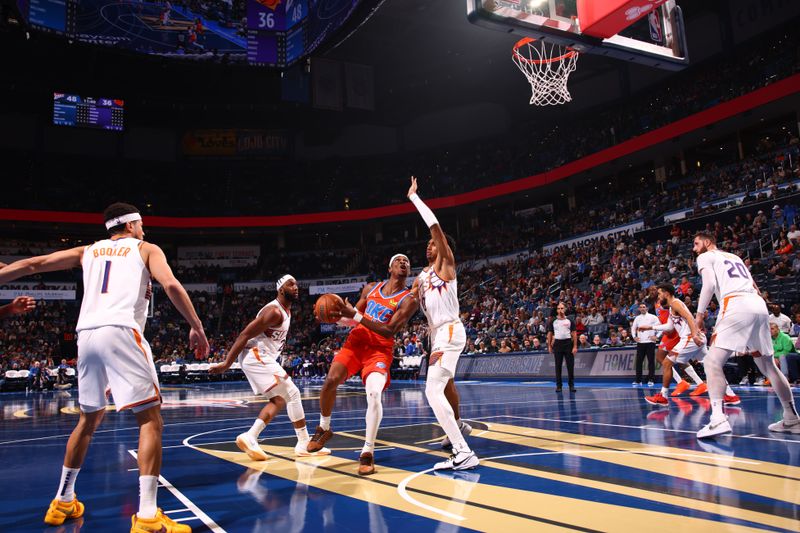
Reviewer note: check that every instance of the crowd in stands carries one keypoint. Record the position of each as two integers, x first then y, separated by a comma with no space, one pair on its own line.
364,182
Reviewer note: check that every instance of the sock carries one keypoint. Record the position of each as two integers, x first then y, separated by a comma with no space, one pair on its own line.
374,385
324,422
302,434
717,410
258,427
729,391
664,391
66,489
148,485
676,376
692,373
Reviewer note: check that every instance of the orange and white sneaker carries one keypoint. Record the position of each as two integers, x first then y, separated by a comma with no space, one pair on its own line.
682,387
160,524
60,511
700,389
731,400
656,399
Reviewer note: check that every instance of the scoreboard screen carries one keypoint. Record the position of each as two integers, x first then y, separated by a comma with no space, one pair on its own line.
49,15
87,112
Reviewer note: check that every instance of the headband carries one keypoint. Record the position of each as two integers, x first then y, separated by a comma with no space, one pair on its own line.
122,219
283,280
395,256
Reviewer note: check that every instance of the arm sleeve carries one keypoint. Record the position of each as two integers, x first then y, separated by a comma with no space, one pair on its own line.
424,210
669,326
708,288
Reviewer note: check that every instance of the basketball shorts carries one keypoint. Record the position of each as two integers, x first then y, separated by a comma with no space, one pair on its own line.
262,372
118,358
743,325
366,360
686,350
668,344
449,339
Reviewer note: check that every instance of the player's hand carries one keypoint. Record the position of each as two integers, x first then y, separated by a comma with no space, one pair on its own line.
346,310
699,339
219,369
198,343
413,188
574,350
22,304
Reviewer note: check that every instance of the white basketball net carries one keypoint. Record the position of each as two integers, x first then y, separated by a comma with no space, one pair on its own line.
547,67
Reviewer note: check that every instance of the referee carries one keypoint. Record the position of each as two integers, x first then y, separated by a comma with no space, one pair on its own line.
645,344
562,342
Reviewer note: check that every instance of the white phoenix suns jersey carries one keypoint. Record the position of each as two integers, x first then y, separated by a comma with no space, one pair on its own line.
270,343
438,298
681,325
116,285
730,273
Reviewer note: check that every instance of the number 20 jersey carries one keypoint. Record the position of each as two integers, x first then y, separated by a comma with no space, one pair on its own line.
730,273
116,285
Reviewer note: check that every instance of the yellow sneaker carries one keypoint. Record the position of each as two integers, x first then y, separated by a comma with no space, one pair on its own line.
60,511
160,524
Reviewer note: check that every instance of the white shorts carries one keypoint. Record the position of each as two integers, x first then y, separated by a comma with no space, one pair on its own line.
262,372
449,339
743,325
687,350
118,358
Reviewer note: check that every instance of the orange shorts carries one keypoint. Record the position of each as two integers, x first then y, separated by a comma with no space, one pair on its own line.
365,360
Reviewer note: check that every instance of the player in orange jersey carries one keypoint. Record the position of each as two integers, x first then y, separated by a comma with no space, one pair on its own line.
383,309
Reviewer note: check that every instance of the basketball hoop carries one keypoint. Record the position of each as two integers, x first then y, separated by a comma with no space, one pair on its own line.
547,67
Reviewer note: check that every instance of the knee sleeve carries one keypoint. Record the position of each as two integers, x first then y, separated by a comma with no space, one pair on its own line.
294,406
374,385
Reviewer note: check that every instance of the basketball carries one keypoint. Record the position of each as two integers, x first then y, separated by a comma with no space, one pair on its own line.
324,305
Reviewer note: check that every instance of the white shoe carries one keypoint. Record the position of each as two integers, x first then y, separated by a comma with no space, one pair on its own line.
301,451
650,383
712,429
459,461
465,428
760,381
745,381
636,384
784,427
250,446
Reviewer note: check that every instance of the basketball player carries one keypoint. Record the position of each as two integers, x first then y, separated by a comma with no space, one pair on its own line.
113,353
742,326
437,290
258,347
669,339
383,309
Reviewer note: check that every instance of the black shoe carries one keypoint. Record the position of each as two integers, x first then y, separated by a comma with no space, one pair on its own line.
558,389
572,389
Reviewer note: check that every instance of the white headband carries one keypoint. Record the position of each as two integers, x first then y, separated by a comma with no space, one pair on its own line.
395,256
283,280
131,217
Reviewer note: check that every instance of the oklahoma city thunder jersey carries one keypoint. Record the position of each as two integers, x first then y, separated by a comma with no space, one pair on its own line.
271,342
663,316
380,308
116,285
438,298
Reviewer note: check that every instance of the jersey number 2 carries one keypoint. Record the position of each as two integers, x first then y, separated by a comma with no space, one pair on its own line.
106,276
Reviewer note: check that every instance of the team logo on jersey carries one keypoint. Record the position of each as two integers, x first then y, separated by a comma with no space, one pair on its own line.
393,302
381,365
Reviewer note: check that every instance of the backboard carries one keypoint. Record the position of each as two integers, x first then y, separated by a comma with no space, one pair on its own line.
649,32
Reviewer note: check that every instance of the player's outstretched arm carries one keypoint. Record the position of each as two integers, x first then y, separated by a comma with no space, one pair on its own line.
406,310
20,305
61,260
156,263
445,260
270,318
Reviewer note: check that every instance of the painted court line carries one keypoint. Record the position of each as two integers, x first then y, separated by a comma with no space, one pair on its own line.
210,524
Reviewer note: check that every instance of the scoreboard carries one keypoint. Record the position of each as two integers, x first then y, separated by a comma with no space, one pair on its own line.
57,16
275,31
87,112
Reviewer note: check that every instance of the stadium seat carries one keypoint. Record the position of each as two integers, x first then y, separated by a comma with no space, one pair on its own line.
12,374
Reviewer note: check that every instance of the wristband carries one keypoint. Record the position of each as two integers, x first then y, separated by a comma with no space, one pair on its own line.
358,317
424,210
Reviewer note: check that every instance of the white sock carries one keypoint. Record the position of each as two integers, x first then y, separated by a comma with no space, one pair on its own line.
664,391
324,422
258,427
66,489
717,410
692,373
434,391
729,391
374,385
302,434
148,485
676,376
